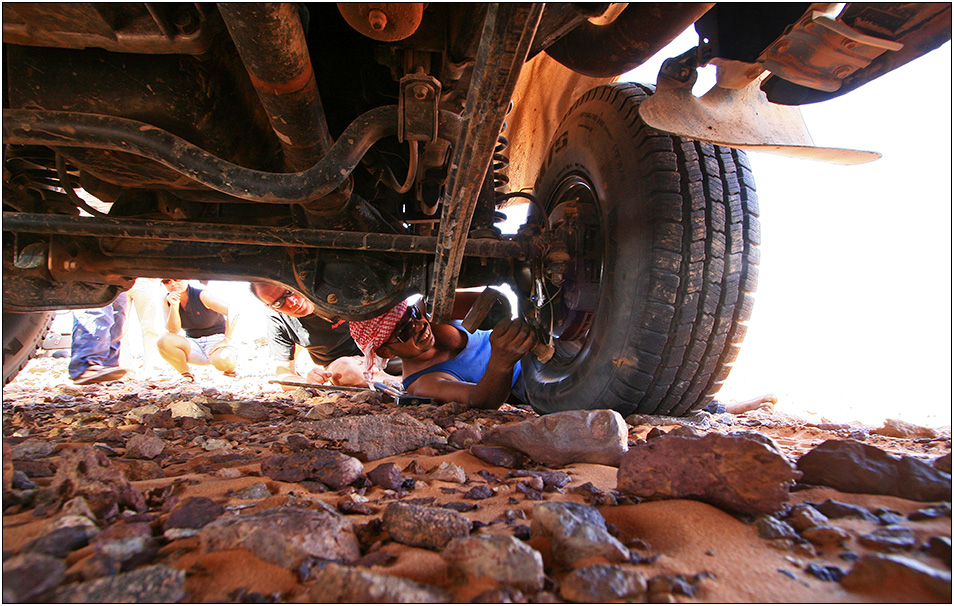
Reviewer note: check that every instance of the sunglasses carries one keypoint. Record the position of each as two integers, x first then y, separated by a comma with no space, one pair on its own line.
280,301
405,328
169,281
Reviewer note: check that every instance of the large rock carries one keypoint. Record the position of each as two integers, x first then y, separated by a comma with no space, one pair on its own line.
577,532
87,473
340,584
326,466
576,436
744,473
152,584
851,466
503,558
879,574
284,536
428,527
372,437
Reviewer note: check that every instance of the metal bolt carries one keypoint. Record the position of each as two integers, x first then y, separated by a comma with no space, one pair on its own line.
849,44
395,279
842,72
332,298
784,45
70,265
420,91
377,19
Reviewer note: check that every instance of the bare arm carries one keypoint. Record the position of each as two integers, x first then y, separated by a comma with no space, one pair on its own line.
171,310
510,341
221,307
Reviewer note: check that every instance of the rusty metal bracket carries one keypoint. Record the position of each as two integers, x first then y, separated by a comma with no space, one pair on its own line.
418,107
742,118
505,41
820,52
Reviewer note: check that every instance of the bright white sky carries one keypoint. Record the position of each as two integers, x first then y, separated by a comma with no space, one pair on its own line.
853,311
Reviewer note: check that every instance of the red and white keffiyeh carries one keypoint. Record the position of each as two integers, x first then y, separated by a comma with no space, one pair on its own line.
372,334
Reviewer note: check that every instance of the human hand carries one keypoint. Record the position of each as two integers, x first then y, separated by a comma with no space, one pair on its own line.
173,299
511,340
318,375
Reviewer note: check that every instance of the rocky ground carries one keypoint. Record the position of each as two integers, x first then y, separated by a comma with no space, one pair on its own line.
228,490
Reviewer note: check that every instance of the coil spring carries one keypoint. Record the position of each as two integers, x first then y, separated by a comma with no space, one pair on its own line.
500,162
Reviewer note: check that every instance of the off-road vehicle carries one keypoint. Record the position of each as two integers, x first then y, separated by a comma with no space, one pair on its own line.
362,153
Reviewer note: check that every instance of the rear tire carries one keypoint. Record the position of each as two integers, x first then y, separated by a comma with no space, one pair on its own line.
663,246
22,335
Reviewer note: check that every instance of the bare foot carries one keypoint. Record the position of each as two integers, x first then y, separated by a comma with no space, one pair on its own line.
767,402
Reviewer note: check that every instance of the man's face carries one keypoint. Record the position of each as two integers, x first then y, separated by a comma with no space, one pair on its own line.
175,285
285,301
411,336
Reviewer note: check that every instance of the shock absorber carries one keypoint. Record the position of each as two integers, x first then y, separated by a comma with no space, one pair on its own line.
500,162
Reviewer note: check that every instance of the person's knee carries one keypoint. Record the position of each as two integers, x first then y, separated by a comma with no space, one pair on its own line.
224,359
167,342
350,372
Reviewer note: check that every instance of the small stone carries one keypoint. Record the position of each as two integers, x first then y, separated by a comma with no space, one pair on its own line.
298,443
805,516
463,438
502,558
479,493
247,409
216,444
152,584
20,481
86,472
61,541
29,575
826,536
284,535
940,547
136,414
602,584
341,584
228,473
448,472
886,575
326,466
258,490
372,437
193,512
939,510
126,542
501,457
889,538
137,470
32,449
144,446
896,428
943,463
577,531
428,527
770,527
160,420
189,409
836,510
825,573
387,475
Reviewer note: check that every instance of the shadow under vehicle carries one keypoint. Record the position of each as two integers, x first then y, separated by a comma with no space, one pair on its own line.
361,153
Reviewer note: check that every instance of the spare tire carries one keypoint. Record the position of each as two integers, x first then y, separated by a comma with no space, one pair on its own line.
662,238
22,335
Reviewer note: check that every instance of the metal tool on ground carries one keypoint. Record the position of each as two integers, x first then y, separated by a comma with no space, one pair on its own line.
321,386
492,300
401,398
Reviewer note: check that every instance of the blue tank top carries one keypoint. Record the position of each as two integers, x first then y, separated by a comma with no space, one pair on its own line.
470,364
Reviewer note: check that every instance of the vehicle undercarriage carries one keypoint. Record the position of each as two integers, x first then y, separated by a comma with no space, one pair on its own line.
362,153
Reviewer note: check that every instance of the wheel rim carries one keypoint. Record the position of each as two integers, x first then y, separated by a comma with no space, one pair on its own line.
574,213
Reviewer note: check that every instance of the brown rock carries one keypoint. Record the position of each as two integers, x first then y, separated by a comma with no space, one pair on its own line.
826,536
387,475
576,436
87,472
577,531
886,575
151,584
144,446
29,575
194,512
851,466
501,457
326,466
896,428
502,558
428,527
741,472
372,437
284,536
805,516
341,584
603,584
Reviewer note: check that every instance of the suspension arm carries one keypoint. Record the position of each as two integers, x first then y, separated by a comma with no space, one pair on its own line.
71,129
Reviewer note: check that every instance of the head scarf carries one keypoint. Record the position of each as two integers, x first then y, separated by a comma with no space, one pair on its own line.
372,334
